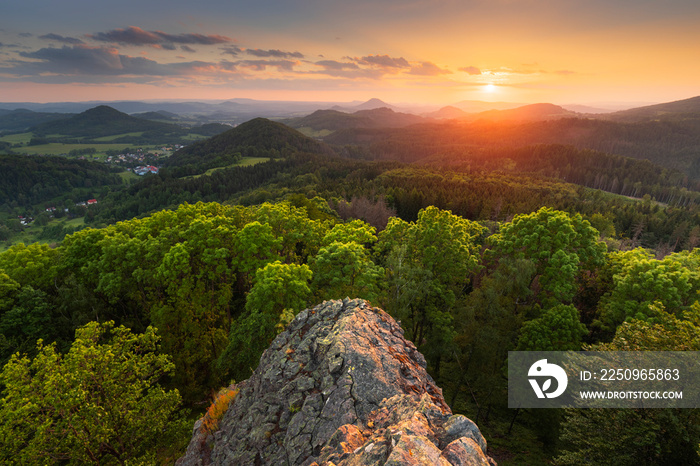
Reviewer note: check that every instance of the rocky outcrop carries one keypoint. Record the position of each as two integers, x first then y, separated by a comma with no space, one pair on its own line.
340,386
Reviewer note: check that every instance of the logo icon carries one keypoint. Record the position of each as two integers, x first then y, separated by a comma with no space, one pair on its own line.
543,369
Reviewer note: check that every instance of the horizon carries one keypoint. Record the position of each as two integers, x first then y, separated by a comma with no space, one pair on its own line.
426,53
611,106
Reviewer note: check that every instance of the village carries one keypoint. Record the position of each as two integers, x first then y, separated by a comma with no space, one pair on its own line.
140,161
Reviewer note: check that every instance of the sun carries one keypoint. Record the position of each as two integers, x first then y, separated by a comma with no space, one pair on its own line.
490,88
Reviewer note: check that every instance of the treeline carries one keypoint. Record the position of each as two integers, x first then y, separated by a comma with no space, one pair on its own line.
219,282
477,194
612,173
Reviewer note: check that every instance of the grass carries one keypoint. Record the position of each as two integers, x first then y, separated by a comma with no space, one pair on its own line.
74,222
194,137
128,175
250,161
21,138
56,148
245,162
117,136
314,133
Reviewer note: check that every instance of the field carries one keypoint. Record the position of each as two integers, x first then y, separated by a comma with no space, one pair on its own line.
101,145
21,138
245,162
314,133
55,148
117,136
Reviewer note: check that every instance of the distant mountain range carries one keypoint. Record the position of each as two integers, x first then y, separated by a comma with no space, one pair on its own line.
668,134
17,117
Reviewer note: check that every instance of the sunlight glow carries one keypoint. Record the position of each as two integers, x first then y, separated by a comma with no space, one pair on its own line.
490,88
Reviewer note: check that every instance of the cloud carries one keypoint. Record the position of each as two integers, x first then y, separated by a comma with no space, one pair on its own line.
273,53
473,70
88,64
261,65
186,48
86,60
231,50
60,38
384,61
136,36
26,34
349,70
565,72
332,65
427,68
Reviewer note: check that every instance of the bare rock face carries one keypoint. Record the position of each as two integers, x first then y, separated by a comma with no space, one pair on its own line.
340,386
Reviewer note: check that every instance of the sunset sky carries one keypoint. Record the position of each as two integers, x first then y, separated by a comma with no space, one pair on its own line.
401,51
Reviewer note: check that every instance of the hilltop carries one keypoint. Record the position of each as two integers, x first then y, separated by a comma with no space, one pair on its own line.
533,112
102,121
334,120
259,137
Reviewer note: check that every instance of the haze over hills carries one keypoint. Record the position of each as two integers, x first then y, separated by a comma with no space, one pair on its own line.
333,120
533,112
371,104
250,108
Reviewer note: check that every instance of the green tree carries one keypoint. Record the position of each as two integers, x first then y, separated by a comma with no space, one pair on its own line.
280,286
8,290
641,281
353,231
31,318
560,245
279,293
557,329
345,269
638,436
430,263
100,403
33,265
301,236
254,246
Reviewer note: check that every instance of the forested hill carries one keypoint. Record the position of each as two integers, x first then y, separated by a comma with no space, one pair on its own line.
102,121
533,112
375,118
678,110
32,179
670,144
259,137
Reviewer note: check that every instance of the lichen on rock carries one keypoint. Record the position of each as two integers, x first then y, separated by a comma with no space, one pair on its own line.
340,386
